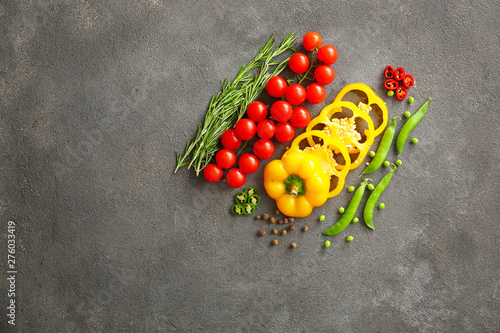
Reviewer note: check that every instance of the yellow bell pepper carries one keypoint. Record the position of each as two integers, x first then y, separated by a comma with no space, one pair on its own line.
300,180
372,99
345,129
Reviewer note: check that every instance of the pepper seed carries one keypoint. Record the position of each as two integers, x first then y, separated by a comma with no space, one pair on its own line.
257,217
272,220
274,231
305,229
293,245
265,216
277,212
291,219
275,242
262,232
292,227
285,220
280,221
283,232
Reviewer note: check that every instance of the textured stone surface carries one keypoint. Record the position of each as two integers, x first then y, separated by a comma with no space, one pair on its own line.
96,98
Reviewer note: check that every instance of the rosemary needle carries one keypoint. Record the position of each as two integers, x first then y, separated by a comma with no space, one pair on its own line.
230,104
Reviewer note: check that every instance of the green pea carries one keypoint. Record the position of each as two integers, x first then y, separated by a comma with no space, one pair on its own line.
322,218
350,238
381,206
407,114
398,162
390,93
355,220
327,243
387,163
372,153
341,210
350,189
370,187
411,100
414,140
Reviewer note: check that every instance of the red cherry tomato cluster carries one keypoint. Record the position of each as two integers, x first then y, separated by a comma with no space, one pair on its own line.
399,81
285,114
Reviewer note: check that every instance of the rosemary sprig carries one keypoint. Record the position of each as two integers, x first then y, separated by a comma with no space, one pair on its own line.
230,104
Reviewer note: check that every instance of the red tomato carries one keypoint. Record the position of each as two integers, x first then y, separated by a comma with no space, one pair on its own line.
315,93
257,111
300,117
281,110
276,86
284,132
312,40
230,140
225,158
213,173
236,178
327,54
266,129
263,149
324,74
248,163
298,63
296,94
245,129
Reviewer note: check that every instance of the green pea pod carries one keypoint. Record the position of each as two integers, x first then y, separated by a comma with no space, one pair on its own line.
383,148
410,125
349,212
374,196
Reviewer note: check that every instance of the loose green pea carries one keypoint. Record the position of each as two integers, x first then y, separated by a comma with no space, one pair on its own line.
355,220
411,100
407,114
350,238
350,189
398,162
387,163
370,187
381,206
322,218
327,243
341,210
390,93
414,140
372,153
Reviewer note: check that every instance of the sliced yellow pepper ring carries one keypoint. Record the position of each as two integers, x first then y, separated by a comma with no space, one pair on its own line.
373,99
344,129
325,153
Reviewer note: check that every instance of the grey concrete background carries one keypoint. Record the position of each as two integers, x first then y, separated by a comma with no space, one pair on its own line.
96,98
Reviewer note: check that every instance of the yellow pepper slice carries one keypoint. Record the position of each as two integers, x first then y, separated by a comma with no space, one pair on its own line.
344,129
372,99
300,180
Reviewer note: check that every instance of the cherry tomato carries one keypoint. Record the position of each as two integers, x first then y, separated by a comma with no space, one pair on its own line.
266,129
296,94
257,111
312,40
213,173
236,178
284,132
300,117
298,63
230,140
263,148
281,110
276,86
245,129
315,93
327,54
225,158
248,163
324,74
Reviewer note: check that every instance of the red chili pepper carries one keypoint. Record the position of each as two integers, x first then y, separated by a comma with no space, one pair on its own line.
399,74
408,81
401,93
391,84
389,72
